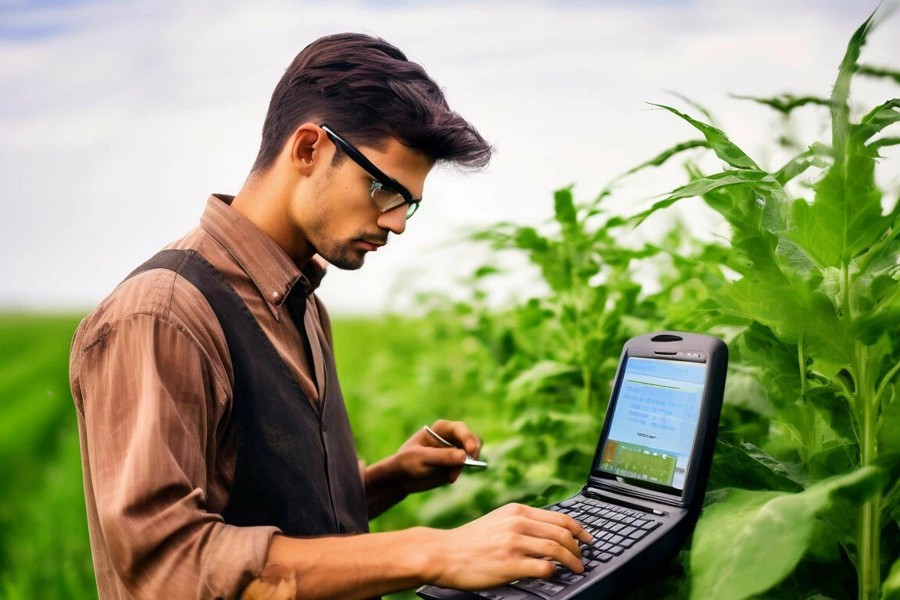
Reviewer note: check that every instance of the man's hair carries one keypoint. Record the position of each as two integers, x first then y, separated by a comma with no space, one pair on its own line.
368,91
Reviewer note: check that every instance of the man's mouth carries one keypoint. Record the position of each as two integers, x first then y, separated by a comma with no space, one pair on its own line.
371,244
374,241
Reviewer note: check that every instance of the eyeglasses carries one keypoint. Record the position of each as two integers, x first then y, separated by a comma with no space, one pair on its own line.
387,193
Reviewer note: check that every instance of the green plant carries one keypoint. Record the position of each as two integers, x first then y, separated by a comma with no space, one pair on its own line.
818,306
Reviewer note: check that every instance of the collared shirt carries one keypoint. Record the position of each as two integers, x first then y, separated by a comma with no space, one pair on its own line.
152,381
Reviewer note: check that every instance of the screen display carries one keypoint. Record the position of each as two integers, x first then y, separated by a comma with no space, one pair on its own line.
654,422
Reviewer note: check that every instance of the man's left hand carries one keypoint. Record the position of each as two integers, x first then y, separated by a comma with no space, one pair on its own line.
422,462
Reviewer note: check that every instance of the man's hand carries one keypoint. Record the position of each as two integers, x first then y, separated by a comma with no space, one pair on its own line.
509,543
512,542
426,463
420,464
423,463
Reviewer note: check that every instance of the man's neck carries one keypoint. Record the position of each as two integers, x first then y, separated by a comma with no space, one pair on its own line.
265,201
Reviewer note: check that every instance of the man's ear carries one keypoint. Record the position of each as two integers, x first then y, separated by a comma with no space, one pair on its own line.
308,146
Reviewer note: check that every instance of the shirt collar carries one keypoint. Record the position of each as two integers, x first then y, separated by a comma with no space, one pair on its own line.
265,262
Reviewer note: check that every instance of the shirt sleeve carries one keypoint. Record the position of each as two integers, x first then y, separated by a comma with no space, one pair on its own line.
148,390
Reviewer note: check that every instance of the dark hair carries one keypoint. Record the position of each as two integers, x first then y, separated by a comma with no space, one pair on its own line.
368,91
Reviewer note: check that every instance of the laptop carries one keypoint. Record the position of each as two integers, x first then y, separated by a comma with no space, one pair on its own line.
648,476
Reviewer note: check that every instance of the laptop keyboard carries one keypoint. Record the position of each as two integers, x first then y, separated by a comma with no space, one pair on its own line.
615,530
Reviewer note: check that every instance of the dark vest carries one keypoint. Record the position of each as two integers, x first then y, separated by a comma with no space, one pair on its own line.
295,469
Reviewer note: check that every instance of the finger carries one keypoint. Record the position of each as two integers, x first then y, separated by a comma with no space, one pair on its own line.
478,444
548,531
458,433
560,520
441,457
553,543
537,567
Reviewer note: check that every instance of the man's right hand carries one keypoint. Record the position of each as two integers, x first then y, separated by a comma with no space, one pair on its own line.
509,543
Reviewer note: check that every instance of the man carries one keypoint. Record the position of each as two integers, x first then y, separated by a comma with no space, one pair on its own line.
216,449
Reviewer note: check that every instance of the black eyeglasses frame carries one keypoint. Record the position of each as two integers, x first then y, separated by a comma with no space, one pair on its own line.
380,176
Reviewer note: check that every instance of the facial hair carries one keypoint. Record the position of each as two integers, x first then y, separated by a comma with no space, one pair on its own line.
347,256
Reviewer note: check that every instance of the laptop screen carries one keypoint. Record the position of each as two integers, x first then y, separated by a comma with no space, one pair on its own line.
654,422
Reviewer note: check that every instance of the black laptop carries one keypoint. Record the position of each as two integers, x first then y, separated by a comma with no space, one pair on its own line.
649,474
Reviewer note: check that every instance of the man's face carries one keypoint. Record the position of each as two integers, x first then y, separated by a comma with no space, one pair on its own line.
343,222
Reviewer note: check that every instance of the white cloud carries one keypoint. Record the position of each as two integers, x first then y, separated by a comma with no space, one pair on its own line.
116,127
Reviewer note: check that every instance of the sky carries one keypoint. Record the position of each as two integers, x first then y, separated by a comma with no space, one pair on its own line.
118,119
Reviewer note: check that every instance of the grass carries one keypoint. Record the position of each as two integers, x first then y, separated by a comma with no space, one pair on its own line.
44,547
43,530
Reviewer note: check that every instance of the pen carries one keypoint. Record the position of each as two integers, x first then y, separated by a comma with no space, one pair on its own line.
470,462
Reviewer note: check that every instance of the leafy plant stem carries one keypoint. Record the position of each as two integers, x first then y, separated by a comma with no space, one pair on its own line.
870,512
807,409
845,285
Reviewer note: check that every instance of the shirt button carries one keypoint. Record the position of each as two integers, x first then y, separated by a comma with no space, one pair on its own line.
275,294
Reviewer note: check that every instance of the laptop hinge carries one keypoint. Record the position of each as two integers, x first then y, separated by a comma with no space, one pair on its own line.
602,494
600,486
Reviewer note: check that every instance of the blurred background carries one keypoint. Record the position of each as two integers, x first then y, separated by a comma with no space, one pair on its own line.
118,119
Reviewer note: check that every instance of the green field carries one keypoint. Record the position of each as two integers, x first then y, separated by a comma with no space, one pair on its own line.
44,549
804,287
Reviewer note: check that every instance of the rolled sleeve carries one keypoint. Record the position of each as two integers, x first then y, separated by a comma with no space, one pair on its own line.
149,420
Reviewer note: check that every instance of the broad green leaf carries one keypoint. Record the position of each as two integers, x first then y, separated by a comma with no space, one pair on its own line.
527,238
565,206
743,389
829,338
838,456
732,553
776,361
750,467
791,312
833,409
813,232
795,259
530,381
845,217
718,141
759,181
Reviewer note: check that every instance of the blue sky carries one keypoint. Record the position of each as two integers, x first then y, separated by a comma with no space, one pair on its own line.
119,118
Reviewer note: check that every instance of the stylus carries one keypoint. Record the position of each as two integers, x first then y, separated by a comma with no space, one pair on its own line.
471,462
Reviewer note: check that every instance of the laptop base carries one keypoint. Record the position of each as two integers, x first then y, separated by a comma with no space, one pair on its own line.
614,560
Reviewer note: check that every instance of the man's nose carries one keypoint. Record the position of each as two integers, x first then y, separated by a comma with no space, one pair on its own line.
394,220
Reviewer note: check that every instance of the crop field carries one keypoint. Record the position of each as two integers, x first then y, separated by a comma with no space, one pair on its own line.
803,287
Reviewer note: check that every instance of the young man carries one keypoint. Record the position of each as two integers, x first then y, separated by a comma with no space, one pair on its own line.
217,454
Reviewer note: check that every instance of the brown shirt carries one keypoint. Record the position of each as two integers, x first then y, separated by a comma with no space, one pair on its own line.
152,380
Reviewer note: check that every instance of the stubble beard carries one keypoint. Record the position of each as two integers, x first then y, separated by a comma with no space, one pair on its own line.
344,255
345,261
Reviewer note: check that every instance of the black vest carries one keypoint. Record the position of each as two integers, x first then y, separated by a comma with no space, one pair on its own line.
294,469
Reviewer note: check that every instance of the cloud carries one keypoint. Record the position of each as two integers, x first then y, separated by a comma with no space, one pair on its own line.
119,119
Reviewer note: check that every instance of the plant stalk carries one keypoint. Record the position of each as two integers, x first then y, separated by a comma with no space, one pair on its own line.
809,435
870,512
